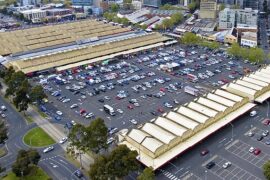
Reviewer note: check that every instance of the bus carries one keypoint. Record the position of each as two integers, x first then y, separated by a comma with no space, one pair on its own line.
108,109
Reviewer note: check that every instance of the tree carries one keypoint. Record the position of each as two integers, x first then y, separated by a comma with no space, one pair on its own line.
77,141
268,56
221,6
37,94
266,170
114,8
22,99
3,132
167,23
121,162
256,55
97,134
190,39
234,50
177,18
98,169
192,7
14,82
147,174
7,73
25,161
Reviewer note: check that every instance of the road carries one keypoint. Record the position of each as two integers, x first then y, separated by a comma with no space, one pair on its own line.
17,128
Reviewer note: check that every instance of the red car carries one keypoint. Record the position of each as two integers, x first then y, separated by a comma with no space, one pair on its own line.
257,151
266,122
204,152
160,110
225,80
130,107
162,89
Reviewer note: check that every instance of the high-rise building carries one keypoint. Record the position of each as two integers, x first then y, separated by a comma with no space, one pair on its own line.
247,16
250,4
208,9
226,19
158,3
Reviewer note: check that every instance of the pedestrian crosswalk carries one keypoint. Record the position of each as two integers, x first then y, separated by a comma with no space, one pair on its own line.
169,175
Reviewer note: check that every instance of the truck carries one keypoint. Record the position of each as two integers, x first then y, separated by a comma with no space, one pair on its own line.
191,90
192,78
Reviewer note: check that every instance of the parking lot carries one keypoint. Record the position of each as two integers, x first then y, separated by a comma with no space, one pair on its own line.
138,88
230,144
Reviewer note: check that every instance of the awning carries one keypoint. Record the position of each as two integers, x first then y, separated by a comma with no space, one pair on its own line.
263,97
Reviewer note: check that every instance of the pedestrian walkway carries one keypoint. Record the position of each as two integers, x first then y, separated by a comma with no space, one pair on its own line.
53,131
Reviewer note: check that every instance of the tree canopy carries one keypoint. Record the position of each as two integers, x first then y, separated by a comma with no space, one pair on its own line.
119,163
114,8
190,39
266,170
25,160
147,174
252,54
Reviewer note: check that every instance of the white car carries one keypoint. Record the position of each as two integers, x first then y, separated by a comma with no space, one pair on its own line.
120,111
253,113
251,149
73,106
250,134
66,100
89,115
63,140
133,121
3,115
110,140
73,123
3,108
48,149
226,165
59,113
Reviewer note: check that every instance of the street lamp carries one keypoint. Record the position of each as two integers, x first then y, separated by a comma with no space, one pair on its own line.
267,113
232,131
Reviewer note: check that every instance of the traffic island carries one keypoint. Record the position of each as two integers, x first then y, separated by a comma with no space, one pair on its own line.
37,137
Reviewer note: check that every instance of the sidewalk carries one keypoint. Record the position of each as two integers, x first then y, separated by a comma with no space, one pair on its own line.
54,132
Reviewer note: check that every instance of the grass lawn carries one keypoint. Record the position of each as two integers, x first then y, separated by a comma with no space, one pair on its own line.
2,152
35,174
37,138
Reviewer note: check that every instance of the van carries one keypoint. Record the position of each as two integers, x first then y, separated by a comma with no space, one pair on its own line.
253,113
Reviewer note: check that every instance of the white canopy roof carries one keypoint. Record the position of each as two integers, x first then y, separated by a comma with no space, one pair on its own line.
202,109
192,114
211,104
182,120
220,100
249,85
228,95
241,88
255,81
170,126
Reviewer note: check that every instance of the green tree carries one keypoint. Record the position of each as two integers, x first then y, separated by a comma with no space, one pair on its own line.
114,8
177,18
147,174
77,138
37,94
192,7
124,21
7,73
121,162
98,169
268,56
2,169
3,131
210,45
256,55
221,6
266,170
190,39
25,161
167,23
14,82
97,135
234,50
21,99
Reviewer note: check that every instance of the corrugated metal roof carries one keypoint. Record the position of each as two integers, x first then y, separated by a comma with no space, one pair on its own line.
242,88
259,78
152,144
262,74
249,85
137,135
192,114
202,109
158,133
170,126
255,81
228,95
264,70
211,104
220,100
182,120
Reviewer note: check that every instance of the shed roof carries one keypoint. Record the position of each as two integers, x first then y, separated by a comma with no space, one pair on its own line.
264,70
211,104
170,126
259,78
158,133
220,100
259,73
137,135
202,109
152,144
241,88
255,81
228,95
192,114
249,85
182,120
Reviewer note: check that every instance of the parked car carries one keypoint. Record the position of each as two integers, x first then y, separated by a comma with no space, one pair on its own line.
250,133
59,113
78,173
204,152
210,165
253,113
226,165
265,133
257,151
251,149
63,140
259,138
